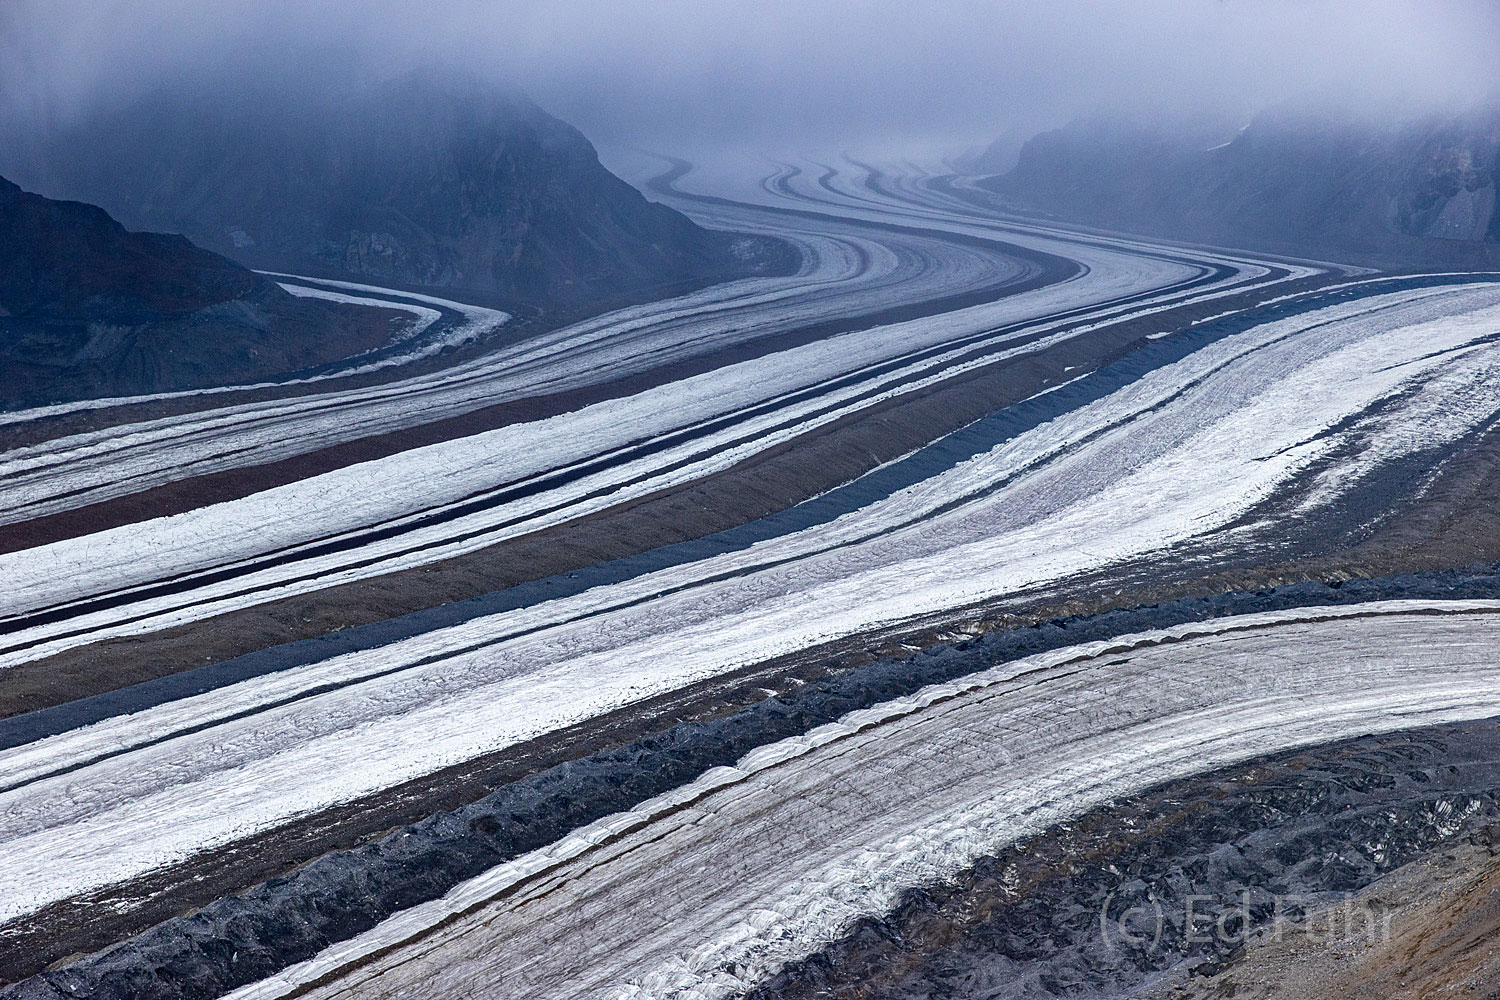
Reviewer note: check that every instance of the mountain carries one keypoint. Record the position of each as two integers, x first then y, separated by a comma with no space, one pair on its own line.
89,309
426,180
68,262
1420,187
998,157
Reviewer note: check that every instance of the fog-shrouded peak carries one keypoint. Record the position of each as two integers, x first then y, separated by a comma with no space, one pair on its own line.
427,176
675,73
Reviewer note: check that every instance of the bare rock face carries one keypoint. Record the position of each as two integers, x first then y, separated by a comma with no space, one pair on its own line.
1449,190
427,180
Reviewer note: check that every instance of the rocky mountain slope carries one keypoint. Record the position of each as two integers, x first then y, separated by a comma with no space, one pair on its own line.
89,309
425,180
1289,175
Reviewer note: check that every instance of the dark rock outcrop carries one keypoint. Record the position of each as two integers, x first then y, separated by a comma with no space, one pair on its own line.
427,180
70,262
89,309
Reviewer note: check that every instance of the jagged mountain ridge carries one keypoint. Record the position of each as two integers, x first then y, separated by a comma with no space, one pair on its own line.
426,180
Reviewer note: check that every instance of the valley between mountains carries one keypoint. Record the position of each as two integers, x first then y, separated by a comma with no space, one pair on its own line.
649,652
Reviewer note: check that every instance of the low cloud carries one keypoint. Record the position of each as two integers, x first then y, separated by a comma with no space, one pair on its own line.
674,74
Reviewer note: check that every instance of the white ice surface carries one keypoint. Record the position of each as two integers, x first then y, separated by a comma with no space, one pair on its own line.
708,889
1178,454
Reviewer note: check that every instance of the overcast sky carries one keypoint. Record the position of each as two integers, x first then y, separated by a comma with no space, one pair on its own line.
668,74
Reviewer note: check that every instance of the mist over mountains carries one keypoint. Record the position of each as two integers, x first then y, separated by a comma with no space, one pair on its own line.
380,146
773,75
1420,187
428,179
128,256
